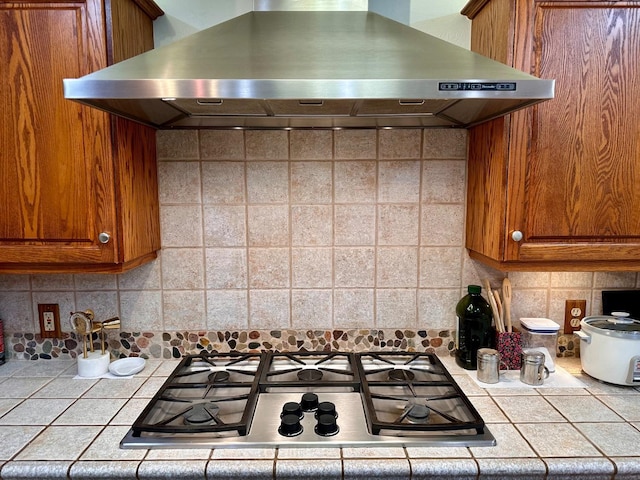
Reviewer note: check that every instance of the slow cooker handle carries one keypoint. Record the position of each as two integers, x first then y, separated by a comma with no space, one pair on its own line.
582,336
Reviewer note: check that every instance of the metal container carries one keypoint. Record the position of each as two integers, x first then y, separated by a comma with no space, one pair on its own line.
533,371
488,365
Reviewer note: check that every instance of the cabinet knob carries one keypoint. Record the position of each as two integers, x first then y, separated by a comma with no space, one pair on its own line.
104,237
516,235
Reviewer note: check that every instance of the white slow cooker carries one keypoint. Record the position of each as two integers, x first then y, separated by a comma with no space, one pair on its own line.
610,348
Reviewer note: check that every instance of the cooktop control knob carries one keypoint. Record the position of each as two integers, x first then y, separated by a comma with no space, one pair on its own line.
290,426
326,408
309,402
327,425
292,408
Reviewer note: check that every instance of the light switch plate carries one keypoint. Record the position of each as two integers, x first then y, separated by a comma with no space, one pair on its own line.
574,311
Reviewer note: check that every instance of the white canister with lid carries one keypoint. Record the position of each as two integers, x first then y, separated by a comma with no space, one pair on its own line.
539,332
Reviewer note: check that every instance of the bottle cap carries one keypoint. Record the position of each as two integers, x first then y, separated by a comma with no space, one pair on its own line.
474,289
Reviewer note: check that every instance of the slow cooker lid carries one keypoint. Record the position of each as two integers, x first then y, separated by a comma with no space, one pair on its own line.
617,321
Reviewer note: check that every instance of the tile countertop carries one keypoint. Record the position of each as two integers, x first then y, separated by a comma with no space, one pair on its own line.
53,426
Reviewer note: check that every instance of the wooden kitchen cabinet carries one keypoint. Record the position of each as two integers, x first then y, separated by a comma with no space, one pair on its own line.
564,173
68,173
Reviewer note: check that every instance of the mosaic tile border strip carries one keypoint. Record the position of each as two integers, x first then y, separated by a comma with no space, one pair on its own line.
166,345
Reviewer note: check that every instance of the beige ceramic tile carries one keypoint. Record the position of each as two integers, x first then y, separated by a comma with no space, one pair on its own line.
352,308
269,309
52,282
312,225
357,144
184,310
396,308
14,439
571,280
399,181
267,182
311,144
435,308
18,306
181,225
355,224
21,387
268,225
182,268
227,309
311,267
141,310
443,181
109,388
529,409
106,446
36,411
94,282
221,144
614,439
267,144
311,182
442,225
398,224
179,182
225,226
444,143
509,443
144,277
223,182
311,309
87,411
397,267
355,182
59,442
557,440
354,267
529,303
177,144
269,267
226,267
607,280
399,143
440,267
583,409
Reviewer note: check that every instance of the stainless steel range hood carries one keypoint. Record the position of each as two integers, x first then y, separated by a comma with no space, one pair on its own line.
280,69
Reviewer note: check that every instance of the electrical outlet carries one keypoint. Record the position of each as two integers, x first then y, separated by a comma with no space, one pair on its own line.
49,316
574,311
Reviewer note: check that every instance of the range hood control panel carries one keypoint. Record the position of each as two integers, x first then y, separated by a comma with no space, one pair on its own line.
457,86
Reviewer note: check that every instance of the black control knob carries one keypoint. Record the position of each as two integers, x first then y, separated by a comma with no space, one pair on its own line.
327,425
309,402
290,426
292,408
326,408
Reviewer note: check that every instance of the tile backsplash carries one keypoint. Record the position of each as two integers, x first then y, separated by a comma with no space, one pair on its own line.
303,230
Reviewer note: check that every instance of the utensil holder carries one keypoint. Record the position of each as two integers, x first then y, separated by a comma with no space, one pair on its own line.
95,365
509,345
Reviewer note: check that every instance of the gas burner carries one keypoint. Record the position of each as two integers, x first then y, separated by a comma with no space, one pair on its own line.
202,413
400,375
310,371
416,413
310,375
219,377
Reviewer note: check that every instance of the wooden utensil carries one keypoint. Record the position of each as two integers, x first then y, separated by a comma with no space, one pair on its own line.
492,302
496,296
506,298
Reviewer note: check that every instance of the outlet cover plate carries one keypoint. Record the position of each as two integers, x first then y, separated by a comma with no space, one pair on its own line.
49,318
574,311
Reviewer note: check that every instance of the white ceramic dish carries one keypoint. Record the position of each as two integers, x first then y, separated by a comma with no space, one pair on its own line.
127,366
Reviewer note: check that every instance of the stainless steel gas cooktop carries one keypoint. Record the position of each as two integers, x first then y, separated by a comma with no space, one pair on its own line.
308,399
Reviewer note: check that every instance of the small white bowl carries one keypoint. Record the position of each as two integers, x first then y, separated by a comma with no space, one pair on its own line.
127,366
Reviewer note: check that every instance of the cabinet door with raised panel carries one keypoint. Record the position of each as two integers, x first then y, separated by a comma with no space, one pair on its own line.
580,169
56,177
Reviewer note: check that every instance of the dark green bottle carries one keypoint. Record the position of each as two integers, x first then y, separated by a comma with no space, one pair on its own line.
474,327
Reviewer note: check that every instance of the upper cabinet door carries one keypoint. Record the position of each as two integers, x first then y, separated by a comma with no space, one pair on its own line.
566,177
54,168
78,189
